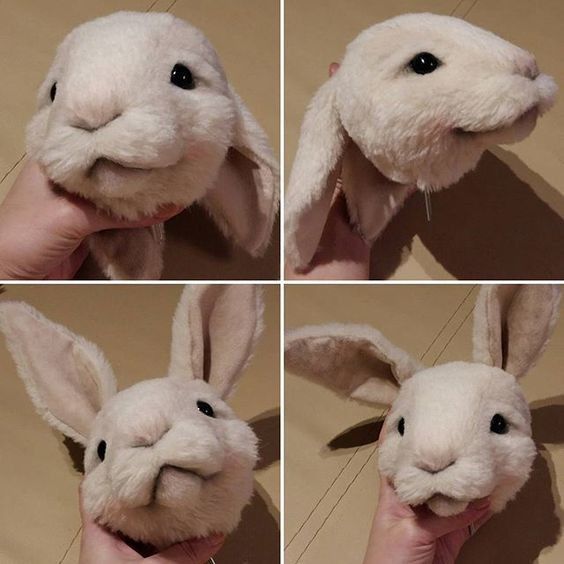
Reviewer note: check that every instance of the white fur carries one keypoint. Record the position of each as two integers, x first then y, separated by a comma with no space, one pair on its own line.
447,411
170,472
447,456
115,104
416,130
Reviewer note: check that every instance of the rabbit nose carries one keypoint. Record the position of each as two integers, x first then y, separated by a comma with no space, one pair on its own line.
436,467
93,124
527,67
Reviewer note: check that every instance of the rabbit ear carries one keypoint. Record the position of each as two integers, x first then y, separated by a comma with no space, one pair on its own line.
244,199
513,323
314,176
67,378
356,361
372,199
214,333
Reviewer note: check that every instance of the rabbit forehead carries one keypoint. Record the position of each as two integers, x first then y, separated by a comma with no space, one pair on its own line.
429,32
140,43
159,401
457,390
131,34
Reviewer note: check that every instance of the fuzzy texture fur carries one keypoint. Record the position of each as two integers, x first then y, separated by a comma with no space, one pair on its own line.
447,456
170,472
121,135
387,129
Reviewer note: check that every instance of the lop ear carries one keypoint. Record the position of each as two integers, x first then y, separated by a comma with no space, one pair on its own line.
356,361
245,197
372,199
513,324
214,333
314,176
67,377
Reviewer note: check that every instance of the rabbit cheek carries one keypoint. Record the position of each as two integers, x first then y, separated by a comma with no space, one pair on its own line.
36,132
388,454
96,491
514,467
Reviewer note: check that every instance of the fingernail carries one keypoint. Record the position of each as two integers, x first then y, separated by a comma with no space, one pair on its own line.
169,209
213,540
480,504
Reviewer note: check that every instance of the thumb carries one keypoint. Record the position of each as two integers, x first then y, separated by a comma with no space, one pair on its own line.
440,526
194,551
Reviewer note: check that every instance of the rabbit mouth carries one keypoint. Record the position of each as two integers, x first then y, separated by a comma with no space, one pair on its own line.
114,166
445,506
529,114
198,476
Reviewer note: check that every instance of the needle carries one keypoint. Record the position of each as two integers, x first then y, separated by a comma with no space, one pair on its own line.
428,204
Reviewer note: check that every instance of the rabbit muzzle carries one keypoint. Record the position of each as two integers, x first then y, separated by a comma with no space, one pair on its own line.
511,114
448,490
169,473
80,153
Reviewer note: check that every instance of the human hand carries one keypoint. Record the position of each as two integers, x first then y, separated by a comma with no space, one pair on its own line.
402,534
42,229
342,253
99,545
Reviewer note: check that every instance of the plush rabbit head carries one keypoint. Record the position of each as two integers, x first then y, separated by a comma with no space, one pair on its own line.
456,432
165,459
419,97
136,112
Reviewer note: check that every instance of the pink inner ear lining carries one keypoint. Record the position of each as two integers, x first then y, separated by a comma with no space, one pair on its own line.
519,320
355,361
215,330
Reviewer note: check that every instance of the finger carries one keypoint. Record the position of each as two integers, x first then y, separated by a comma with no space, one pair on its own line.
387,495
439,526
67,269
102,221
333,68
484,519
195,551
97,540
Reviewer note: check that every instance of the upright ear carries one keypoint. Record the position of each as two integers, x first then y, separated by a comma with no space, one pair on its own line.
513,323
214,333
245,197
356,361
314,175
67,377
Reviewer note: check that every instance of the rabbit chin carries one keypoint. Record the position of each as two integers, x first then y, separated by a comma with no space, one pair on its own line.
182,506
445,506
133,191
516,131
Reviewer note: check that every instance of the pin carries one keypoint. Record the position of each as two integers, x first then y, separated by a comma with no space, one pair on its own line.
158,232
428,204
211,561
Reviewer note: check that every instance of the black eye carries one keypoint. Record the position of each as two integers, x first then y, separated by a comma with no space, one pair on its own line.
401,426
101,450
53,91
424,63
205,408
499,425
182,77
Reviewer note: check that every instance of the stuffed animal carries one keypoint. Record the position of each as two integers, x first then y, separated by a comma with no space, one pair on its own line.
416,101
136,113
455,432
166,459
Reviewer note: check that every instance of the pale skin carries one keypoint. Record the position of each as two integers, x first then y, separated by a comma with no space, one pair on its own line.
342,253
405,535
42,228
99,545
